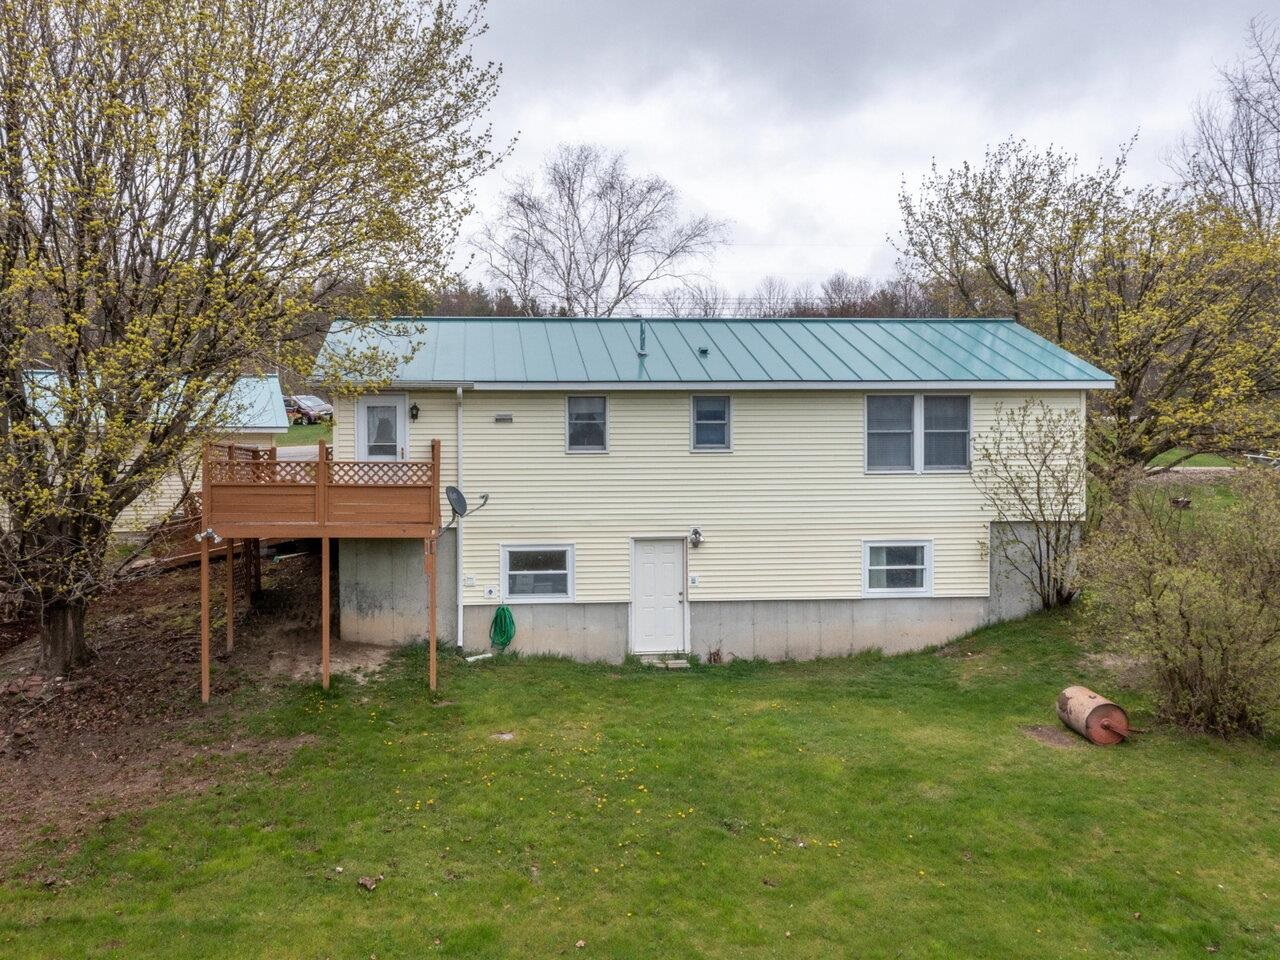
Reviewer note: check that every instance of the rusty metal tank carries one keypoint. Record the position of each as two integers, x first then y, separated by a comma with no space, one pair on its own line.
1093,716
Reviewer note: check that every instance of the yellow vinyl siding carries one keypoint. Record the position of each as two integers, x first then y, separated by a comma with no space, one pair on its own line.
437,419
158,502
784,514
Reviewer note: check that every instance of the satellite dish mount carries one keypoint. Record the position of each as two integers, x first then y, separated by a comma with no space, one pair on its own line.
458,504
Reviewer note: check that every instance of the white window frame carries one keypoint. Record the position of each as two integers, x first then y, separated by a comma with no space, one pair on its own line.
693,423
917,443
869,592
401,402
917,434
579,450
570,561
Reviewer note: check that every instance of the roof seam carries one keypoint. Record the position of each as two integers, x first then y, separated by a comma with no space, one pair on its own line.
854,347
960,345
906,346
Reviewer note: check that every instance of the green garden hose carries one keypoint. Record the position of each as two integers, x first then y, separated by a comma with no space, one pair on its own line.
503,628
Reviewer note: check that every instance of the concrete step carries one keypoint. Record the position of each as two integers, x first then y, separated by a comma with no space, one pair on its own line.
666,663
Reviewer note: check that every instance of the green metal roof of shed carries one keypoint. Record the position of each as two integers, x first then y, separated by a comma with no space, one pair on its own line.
532,353
253,405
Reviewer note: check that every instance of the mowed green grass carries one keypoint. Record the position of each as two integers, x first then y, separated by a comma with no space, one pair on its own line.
302,434
1195,460
868,807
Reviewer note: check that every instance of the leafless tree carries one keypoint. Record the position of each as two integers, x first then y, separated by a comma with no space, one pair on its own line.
772,297
1233,152
1030,468
700,298
587,236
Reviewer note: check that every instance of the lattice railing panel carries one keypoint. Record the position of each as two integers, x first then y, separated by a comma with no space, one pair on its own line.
262,471
374,473
238,451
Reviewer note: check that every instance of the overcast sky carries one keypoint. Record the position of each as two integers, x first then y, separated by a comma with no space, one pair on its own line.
796,120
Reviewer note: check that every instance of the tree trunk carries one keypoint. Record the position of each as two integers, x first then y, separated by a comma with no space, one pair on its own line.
62,645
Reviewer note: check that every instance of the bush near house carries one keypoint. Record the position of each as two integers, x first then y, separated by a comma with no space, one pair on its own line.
1196,595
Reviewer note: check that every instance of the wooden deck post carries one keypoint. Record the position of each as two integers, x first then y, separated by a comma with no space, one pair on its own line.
231,594
324,612
204,620
432,595
322,482
204,575
257,567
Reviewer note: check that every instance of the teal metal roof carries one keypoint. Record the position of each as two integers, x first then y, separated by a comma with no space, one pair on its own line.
539,352
254,405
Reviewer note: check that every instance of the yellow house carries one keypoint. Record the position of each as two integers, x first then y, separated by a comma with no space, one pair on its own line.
760,488
255,416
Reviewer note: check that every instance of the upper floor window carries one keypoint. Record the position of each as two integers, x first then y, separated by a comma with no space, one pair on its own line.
587,426
890,432
710,423
946,433
917,432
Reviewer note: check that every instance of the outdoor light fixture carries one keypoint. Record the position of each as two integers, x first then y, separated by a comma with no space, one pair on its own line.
695,537
413,411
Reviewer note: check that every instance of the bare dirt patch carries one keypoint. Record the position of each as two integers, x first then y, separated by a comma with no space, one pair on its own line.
1128,670
128,729
1054,737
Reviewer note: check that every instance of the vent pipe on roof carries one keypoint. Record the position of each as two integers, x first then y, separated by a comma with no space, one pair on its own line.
641,352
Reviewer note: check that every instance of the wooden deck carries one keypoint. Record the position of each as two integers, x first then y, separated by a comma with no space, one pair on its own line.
249,493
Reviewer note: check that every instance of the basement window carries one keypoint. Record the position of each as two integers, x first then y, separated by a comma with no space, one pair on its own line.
537,574
897,568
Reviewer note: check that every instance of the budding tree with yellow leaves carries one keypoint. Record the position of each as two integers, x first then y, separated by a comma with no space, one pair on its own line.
187,190
1173,294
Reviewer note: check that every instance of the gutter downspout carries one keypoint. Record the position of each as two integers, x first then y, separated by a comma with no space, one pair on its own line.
457,543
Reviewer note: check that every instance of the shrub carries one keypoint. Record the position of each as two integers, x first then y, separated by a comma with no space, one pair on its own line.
1196,594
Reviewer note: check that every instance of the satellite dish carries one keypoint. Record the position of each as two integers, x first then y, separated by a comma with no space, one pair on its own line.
456,500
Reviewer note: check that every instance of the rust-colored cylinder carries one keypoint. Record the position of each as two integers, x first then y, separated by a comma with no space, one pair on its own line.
1094,717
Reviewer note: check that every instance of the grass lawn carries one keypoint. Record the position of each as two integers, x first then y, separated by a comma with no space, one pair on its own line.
301,434
870,807
1196,460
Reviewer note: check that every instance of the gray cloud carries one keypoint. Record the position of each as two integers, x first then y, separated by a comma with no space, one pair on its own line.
796,120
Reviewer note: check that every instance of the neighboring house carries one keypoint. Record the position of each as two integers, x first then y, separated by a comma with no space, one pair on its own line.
762,488
255,417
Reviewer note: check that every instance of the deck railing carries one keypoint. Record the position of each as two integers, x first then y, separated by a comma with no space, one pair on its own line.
248,489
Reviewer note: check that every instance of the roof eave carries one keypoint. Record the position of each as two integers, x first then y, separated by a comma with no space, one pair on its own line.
690,385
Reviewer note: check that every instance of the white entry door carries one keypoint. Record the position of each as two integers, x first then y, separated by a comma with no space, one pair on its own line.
657,596
381,428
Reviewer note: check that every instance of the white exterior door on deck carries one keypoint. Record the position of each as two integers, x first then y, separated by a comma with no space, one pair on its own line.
381,428
657,596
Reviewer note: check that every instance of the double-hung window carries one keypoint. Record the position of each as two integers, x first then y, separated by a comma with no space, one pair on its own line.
914,433
540,573
710,423
897,568
946,433
891,432
587,425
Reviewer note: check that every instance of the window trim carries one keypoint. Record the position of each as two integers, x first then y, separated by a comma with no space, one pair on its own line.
586,451
917,433
870,592
570,583
694,447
